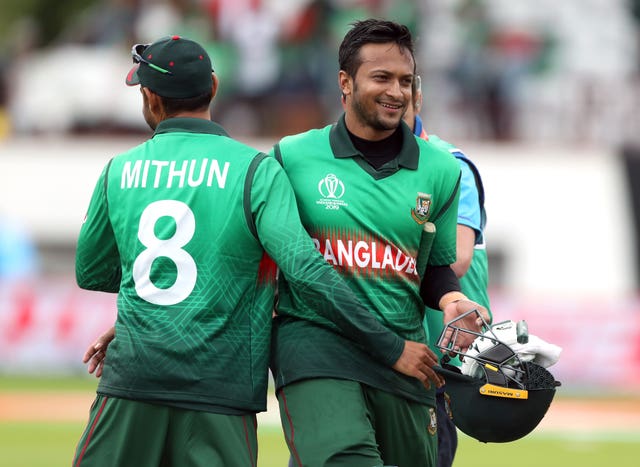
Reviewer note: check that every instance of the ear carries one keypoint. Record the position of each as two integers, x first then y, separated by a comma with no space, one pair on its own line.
214,87
346,83
418,101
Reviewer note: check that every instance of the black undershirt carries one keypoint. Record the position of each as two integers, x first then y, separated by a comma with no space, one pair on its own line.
438,280
378,153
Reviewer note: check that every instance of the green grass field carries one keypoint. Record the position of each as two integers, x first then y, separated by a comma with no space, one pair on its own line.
51,444
25,444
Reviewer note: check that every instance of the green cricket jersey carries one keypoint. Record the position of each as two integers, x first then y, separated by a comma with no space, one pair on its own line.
179,227
367,224
471,213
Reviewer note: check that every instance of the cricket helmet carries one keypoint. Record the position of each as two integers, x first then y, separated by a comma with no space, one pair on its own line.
502,397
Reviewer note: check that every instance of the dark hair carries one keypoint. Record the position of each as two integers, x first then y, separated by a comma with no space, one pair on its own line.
172,105
369,31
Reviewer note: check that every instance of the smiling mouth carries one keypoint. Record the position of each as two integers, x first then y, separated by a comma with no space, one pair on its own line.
391,106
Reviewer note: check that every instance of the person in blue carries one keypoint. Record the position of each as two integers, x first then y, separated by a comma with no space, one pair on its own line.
18,254
471,266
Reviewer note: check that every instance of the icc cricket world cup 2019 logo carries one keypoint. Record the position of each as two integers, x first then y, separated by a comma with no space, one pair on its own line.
331,187
332,190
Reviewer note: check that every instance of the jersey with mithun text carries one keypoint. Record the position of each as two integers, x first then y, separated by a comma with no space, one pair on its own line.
179,226
367,224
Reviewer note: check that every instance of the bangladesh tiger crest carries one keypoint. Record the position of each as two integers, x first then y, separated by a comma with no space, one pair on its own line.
433,422
423,207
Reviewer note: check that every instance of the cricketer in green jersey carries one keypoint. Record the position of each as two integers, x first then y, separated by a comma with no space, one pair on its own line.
180,227
365,187
471,265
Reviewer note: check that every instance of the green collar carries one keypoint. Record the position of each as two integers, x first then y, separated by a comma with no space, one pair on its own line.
189,125
342,147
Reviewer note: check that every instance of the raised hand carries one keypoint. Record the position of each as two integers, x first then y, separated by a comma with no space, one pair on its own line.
471,321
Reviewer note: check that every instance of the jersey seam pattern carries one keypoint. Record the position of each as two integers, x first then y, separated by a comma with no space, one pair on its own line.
106,186
248,182
449,201
277,153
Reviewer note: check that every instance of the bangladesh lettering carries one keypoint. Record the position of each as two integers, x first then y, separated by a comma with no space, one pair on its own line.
169,174
365,255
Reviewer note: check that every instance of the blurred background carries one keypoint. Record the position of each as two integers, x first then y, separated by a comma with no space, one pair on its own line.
544,96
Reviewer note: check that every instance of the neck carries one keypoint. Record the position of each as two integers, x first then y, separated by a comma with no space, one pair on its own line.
202,114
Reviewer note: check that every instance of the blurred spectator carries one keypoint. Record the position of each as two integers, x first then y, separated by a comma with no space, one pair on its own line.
307,50
107,22
634,9
252,27
492,62
22,37
49,18
5,125
182,17
483,57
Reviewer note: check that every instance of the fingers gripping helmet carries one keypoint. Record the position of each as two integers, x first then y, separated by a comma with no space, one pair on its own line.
503,398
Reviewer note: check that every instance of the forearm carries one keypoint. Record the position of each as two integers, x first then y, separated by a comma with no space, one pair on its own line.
465,241
320,291
436,283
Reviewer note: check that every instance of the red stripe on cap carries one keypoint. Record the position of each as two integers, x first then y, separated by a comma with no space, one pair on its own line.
175,38
129,79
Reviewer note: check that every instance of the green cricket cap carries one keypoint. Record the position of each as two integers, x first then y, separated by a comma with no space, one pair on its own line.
172,67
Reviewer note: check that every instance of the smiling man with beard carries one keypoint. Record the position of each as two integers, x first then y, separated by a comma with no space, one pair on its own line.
365,186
